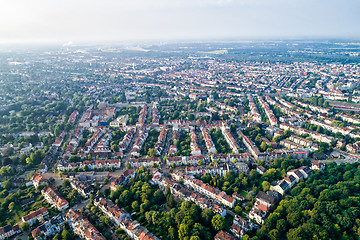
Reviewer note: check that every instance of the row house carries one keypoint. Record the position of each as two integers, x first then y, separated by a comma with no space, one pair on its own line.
83,188
175,136
335,129
38,179
155,114
53,197
314,108
49,228
288,118
123,220
188,195
348,118
220,169
317,136
208,141
301,141
224,236
159,145
111,210
269,113
59,140
43,166
123,178
253,149
142,117
88,176
172,150
73,116
135,151
178,125
9,231
240,157
270,100
34,216
254,113
211,192
185,160
195,150
240,226
91,142
229,138
145,161
91,165
82,226
124,144
204,202
290,144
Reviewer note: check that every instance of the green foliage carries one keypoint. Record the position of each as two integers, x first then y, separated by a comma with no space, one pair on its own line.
183,144
24,226
150,143
218,222
160,214
220,143
325,206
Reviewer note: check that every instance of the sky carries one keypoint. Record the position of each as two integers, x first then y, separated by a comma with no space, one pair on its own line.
64,21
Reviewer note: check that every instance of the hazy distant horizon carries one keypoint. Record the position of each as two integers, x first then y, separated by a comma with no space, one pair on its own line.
42,21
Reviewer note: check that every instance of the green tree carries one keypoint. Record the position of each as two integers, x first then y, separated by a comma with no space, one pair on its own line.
66,235
184,231
11,206
265,185
135,205
152,152
238,209
218,222
207,215
24,226
128,165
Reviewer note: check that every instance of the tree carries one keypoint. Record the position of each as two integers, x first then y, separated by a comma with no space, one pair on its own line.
152,152
265,186
11,206
135,206
128,165
172,233
57,237
66,182
170,201
24,226
238,209
194,238
184,231
263,146
158,196
218,222
66,235
207,215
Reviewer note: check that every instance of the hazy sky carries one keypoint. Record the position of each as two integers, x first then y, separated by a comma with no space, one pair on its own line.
115,20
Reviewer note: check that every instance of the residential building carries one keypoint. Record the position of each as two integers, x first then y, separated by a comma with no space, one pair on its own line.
53,197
